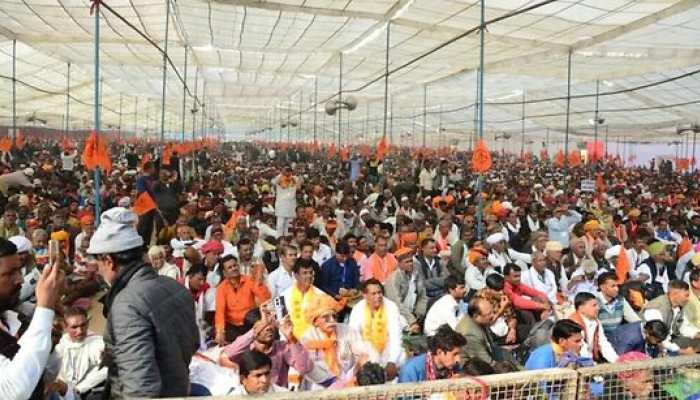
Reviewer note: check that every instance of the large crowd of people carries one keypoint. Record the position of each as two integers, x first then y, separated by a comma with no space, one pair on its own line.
251,268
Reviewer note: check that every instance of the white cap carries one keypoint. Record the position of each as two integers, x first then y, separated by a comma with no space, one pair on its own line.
495,238
507,205
23,244
612,252
116,232
124,202
364,211
28,171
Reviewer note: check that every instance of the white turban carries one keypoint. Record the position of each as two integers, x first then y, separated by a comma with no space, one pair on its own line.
495,238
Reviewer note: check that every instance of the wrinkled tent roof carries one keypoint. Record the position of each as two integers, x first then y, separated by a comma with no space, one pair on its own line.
261,59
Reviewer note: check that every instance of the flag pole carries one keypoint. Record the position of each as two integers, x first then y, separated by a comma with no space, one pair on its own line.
98,184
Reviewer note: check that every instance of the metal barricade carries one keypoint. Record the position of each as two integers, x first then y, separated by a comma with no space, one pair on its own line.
550,384
658,379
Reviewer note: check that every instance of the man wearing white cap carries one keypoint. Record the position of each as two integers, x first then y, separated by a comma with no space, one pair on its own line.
501,254
30,273
151,330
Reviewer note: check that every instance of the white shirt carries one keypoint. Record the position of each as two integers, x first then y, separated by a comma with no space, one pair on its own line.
606,349
546,284
279,280
444,311
393,351
80,362
21,374
213,277
169,270
475,279
323,254
68,161
652,314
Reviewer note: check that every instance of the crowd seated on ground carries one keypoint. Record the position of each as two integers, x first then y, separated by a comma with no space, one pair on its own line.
310,270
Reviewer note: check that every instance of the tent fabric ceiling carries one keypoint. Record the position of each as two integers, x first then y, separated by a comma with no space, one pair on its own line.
259,62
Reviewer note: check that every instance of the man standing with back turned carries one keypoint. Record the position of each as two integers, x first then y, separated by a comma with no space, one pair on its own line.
151,331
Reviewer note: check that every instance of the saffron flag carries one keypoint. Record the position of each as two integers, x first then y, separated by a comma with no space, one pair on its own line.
382,148
559,159
143,204
481,159
575,158
6,144
622,267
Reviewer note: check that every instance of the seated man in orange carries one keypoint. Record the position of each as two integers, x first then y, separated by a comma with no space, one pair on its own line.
380,264
235,296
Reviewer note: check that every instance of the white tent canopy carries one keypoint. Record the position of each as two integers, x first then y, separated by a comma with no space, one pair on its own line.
261,61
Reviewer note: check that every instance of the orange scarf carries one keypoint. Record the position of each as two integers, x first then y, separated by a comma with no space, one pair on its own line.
382,267
329,348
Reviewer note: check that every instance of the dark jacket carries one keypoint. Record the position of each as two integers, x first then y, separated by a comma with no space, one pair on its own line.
333,277
629,337
151,334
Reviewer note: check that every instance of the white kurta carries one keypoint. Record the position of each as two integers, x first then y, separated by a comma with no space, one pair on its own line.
393,351
285,198
80,362
21,374
546,284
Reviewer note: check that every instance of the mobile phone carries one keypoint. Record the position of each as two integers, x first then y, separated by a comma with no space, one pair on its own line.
279,308
54,252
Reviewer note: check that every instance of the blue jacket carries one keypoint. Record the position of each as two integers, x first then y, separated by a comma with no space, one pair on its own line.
332,276
413,370
541,358
629,337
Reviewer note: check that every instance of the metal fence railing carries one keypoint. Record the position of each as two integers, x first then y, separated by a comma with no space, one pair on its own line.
659,379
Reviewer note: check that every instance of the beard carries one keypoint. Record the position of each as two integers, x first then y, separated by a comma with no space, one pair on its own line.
10,301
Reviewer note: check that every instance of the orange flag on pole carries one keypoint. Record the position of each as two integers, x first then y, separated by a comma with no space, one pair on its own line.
143,204
382,148
575,158
481,159
89,156
622,267
559,159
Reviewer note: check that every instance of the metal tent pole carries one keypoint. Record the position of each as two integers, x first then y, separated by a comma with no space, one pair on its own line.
568,111
165,70
301,104
14,89
119,127
97,85
476,111
315,104
184,99
480,104
695,133
136,114
522,128
340,98
595,122
194,109
425,111
386,77
67,122
391,122
606,143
